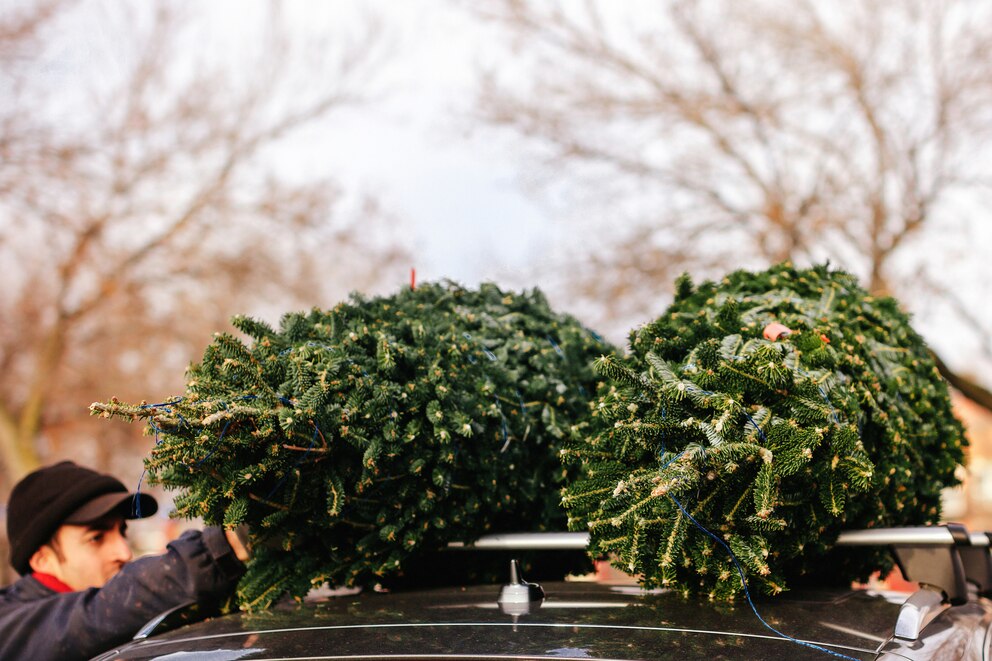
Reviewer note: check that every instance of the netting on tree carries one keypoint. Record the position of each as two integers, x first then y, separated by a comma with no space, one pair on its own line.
355,439
837,419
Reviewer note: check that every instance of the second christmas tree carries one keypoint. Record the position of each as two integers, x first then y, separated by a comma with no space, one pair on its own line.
769,411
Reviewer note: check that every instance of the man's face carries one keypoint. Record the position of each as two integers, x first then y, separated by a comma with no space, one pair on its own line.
88,556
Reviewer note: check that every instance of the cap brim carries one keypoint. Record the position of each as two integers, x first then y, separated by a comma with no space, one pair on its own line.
118,503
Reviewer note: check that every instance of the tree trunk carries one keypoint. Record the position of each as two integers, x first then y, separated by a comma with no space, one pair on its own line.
970,389
17,454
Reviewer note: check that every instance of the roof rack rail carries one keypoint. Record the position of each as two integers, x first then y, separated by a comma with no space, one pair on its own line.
527,541
946,557
932,555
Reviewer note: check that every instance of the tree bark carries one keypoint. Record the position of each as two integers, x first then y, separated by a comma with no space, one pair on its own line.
17,455
967,387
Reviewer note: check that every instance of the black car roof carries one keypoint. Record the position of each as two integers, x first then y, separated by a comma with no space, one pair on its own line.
949,617
577,620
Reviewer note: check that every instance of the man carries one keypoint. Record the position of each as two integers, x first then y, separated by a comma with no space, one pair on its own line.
79,593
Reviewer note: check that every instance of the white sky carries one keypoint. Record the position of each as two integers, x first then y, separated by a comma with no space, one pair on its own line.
465,217
468,218
465,214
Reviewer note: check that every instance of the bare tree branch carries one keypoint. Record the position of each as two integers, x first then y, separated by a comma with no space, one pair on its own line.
134,231
849,133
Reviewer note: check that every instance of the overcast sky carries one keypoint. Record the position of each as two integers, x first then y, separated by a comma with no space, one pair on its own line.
464,212
468,217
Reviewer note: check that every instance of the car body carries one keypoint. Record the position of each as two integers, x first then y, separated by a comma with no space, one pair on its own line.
586,620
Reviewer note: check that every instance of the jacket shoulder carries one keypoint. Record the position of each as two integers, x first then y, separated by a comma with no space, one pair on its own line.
25,589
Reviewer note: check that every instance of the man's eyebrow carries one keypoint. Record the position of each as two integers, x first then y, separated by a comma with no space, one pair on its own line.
103,526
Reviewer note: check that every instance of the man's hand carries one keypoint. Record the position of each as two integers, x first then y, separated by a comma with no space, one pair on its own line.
238,539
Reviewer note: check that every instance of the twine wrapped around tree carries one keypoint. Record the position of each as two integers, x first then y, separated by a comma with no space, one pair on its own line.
774,409
355,440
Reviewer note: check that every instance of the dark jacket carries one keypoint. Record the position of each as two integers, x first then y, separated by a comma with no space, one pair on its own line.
37,623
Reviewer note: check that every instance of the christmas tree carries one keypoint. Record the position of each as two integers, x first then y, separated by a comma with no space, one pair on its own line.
774,410
355,441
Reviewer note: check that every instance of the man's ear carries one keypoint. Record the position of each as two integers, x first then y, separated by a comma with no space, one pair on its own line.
45,561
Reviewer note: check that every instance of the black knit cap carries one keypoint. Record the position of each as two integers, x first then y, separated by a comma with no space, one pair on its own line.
64,493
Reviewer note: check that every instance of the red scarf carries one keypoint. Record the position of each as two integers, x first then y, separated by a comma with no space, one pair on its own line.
51,582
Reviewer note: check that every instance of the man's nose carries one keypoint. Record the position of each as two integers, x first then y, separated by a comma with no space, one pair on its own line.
122,551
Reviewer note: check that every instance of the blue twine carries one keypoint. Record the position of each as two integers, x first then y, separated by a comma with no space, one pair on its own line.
183,420
755,425
215,443
156,429
321,345
350,362
670,461
313,441
136,501
151,421
489,354
737,564
823,393
833,411
503,427
761,433
747,591
167,406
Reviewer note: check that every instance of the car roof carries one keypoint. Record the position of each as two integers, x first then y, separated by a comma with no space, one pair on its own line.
950,616
576,621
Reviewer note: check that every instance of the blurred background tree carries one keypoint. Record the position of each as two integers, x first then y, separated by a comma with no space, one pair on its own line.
711,135
163,166
144,200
